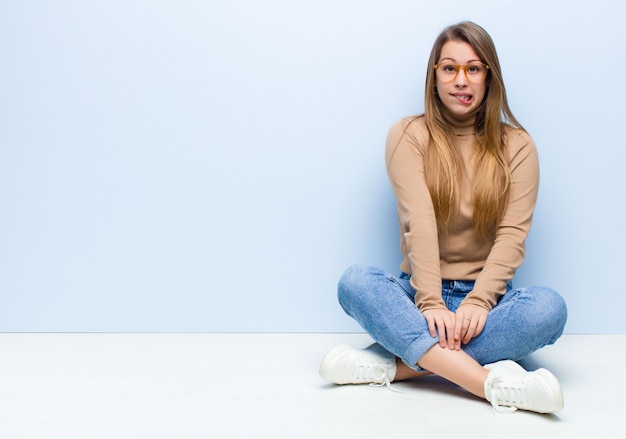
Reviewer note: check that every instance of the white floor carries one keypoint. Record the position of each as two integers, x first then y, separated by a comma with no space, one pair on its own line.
266,386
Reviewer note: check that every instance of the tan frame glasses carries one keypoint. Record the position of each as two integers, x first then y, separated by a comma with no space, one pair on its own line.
475,72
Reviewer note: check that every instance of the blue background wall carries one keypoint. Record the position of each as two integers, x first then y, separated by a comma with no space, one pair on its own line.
215,165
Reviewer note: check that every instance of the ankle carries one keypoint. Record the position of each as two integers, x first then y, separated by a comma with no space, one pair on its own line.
404,372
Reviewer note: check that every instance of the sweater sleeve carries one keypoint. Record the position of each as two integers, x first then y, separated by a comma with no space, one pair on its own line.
404,156
508,250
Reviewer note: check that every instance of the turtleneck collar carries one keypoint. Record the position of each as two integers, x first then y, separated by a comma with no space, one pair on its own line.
462,126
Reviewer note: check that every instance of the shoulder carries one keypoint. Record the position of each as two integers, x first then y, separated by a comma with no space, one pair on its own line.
518,141
409,131
413,124
520,149
517,138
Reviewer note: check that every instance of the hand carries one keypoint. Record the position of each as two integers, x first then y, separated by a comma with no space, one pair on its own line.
469,322
441,321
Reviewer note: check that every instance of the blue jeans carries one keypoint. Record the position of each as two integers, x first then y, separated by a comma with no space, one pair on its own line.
524,320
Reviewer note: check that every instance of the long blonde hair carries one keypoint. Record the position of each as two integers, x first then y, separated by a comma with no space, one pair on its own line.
492,175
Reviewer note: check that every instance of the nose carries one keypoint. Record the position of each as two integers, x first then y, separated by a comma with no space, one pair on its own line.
461,77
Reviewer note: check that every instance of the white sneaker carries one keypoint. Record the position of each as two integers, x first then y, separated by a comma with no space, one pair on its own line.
509,387
505,365
345,365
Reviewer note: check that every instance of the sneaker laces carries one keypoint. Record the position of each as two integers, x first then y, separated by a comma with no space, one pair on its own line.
379,373
507,394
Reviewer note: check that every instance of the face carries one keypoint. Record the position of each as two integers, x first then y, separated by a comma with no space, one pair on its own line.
461,97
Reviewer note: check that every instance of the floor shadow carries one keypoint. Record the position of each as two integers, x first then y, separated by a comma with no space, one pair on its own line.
435,384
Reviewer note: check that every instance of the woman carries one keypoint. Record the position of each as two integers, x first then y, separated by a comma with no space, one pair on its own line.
465,177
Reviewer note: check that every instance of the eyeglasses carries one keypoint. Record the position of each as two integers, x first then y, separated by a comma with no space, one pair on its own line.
475,72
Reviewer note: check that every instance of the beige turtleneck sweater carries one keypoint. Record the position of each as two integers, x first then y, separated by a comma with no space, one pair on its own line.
461,254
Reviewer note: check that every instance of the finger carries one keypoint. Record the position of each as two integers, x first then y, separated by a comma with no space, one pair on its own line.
461,323
445,330
441,329
476,327
450,333
480,325
458,326
470,333
464,322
